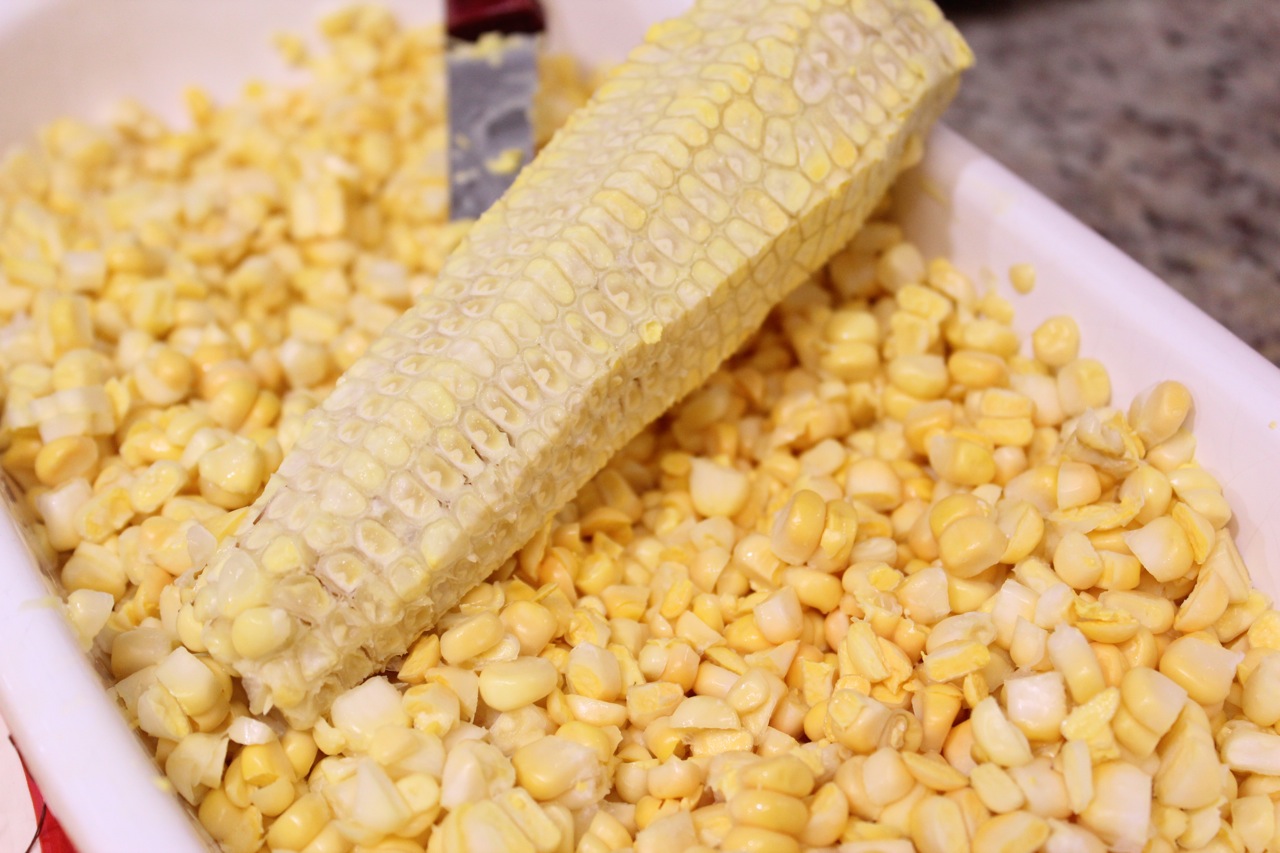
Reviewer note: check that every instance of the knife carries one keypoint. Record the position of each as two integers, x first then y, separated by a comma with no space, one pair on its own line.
492,75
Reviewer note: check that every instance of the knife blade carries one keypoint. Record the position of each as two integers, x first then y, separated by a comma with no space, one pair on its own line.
492,75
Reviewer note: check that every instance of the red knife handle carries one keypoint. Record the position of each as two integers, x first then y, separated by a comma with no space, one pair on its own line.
470,19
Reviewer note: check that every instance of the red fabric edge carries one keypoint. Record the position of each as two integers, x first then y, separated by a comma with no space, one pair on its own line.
53,838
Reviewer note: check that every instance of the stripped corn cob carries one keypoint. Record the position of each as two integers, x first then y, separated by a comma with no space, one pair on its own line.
720,166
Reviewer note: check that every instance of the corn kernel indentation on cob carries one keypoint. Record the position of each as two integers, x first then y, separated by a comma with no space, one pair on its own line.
732,154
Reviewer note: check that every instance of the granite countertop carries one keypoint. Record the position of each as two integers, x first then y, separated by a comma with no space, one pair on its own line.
1156,122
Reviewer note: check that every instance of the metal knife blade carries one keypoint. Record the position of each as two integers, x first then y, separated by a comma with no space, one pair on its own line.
491,84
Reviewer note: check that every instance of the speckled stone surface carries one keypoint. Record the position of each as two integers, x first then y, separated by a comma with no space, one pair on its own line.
1156,122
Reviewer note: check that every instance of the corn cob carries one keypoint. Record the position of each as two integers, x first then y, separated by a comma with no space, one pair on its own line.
719,167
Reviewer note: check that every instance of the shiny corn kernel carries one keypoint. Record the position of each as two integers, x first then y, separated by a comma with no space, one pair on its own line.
1056,342
769,810
1204,669
1083,384
971,545
798,527
960,460
471,637
508,685
1018,832
1162,547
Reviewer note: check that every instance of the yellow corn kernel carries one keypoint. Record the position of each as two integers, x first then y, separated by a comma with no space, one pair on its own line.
1151,488
780,617
1056,342
299,823
933,772
263,764
1153,612
1007,432
1205,670
770,810
675,778
1037,485
901,265
1261,695
940,704
986,335
937,826
1017,832
508,685
754,839
974,369
1189,773
1002,742
66,458
531,623
1159,412
1152,698
473,636
1077,774
969,546
754,557
550,766
594,672
797,529
1247,751
817,590
165,376
1120,811
1119,571
924,377
954,660
260,631
1022,277
1037,704
873,482
1162,547
1083,384
716,489
784,774
924,598
1205,605
1073,657
237,829
1132,735
926,420
424,655
1254,820
195,684
850,325
1024,526
996,788
743,635
704,712
851,360
300,748
951,509
1078,485
960,461
828,816
231,475
1091,721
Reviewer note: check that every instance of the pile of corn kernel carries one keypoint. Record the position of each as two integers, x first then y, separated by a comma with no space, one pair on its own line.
883,584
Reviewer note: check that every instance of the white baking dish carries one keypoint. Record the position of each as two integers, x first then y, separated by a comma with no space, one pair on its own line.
73,57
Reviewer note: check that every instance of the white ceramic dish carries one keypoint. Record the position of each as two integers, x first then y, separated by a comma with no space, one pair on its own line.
72,57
